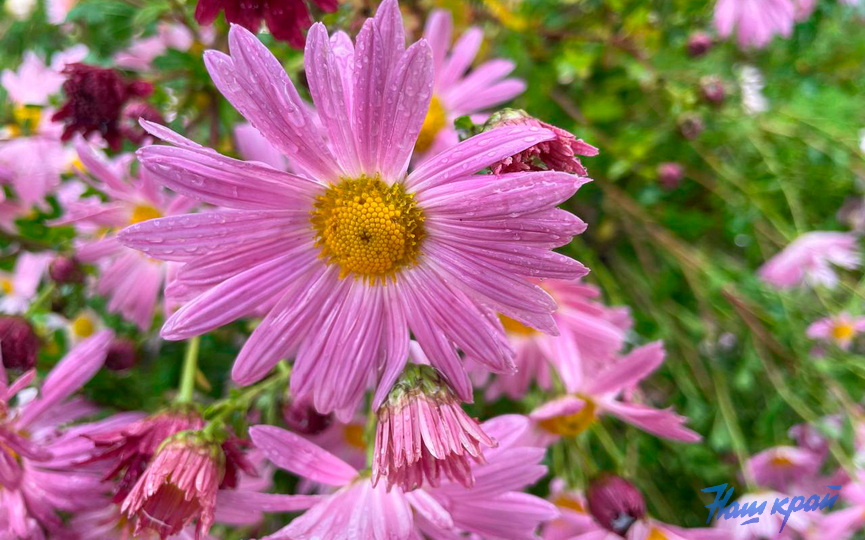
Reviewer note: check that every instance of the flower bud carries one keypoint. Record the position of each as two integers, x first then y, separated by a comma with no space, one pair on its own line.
699,43
691,126
670,174
615,503
65,270
121,355
712,89
19,344
301,417
423,432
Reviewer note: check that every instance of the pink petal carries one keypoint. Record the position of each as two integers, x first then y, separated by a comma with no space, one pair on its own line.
295,454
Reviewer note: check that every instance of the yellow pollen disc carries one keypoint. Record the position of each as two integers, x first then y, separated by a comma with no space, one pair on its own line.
516,328
368,228
572,424
27,115
354,436
82,326
656,534
436,119
143,212
781,461
6,285
843,331
563,501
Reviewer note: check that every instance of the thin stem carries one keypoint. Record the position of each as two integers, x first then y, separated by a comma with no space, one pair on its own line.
727,413
190,366
43,297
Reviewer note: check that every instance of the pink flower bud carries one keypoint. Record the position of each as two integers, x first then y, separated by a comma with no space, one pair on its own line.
615,503
19,344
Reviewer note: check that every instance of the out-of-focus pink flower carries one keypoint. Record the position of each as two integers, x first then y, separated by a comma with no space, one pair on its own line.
493,508
809,259
699,43
755,22
35,81
314,240
670,174
804,9
423,433
458,91
615,503
19,286
574,517
798,525
595,390
140,54
840,329
38,473
286,19
58,9
131,282
781,467
845,523
32,166
252,146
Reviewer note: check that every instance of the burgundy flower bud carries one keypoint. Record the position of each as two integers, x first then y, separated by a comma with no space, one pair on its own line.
615,503
699,43
559,154
691,126
121,355
66,270
301,417
712,89
19,344
670,174
95,98
286,19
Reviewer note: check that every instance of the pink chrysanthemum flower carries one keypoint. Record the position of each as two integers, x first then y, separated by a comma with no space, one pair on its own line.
799,524
595,333
809,259
574,517
593,391
38,476
840,329
423,433
140,54
179,486
781,467
755,22
358,252
493,508
35,81
286,19
131,282
458,92
19,286
846,522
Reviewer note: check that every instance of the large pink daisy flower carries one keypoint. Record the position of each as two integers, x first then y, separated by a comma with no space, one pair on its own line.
358,252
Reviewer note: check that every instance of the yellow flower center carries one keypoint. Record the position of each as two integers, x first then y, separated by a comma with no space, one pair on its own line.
656,534
843,331
436,119
28,115
6,285
82,326
573,424
368,228
143,212
563,501
516,328
781,461
354,436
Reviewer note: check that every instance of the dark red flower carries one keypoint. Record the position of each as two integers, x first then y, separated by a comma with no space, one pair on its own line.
286,19
18,343
95,98
559,154
121,355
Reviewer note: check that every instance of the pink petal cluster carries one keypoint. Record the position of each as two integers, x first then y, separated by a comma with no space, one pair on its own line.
481,240
35,81
809,260
755,22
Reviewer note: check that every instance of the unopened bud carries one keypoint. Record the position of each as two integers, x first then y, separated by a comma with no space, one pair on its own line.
615,503
19,344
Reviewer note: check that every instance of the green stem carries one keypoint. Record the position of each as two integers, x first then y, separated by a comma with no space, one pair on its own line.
44,296
729,416
190,367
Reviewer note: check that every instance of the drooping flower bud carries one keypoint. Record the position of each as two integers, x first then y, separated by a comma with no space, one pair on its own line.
130,449
615,503
19,344
423,432
301,417
699,43
65,270
712,89
691,126
95,98
178,487
122,355
559,154
670,174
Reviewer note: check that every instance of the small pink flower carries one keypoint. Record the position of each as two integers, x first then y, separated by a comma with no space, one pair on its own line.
755,22
782,467
178,486
35,81
557,154
809,259
423,433
840,329
770,523
19,287
595,390
140,54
